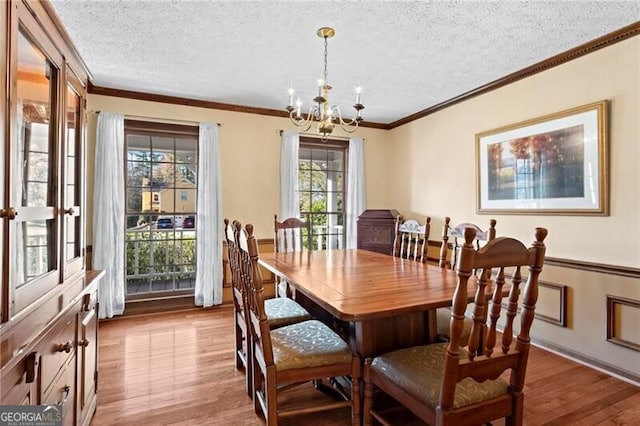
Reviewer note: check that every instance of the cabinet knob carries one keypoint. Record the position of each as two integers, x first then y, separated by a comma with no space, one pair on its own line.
70,211
84,343
65,347
9,213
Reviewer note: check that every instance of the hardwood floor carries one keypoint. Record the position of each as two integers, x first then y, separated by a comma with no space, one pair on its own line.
178,369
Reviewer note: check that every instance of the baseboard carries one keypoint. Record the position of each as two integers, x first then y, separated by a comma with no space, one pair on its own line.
603,367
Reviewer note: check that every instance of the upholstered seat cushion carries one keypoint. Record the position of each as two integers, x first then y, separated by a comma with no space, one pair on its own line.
284,311
307,344
443,321
419,370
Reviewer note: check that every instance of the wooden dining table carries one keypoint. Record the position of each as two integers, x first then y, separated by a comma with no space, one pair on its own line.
385,302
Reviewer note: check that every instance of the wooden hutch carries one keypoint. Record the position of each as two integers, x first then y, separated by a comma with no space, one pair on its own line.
48,300
377,229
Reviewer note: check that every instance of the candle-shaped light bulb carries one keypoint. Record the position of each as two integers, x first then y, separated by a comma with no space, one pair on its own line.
320,84
292,91
298,107
358,91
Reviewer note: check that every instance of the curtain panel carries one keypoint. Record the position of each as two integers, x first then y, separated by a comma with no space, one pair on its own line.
208,288
108,212
289,196
356,190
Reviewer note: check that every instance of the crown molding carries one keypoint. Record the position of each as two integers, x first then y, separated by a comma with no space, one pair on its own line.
175,100
584,49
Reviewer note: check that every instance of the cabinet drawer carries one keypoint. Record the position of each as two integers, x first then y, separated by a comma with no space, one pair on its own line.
62,391
57,347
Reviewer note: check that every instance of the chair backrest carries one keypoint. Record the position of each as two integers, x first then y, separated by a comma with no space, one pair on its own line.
506,256
412,239
252,278
291,234
456,232
234,266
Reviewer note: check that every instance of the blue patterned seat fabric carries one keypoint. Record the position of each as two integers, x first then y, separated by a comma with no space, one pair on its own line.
308,344
419,370
284,311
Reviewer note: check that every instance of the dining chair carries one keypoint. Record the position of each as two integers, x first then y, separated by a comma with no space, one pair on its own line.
292,234
445,384
279,312
411,239
443,315
297,353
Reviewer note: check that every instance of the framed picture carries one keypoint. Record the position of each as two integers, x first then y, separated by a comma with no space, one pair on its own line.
556,164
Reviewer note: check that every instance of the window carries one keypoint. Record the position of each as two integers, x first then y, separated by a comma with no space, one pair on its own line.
161,167
321,186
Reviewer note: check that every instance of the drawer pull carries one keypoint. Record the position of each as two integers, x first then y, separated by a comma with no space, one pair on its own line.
84,343
66,390
65,347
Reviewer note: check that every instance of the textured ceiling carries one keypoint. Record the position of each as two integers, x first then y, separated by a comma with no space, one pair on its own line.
406,55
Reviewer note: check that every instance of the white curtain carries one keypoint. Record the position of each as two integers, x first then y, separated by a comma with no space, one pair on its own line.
108,212
356,190
208,291
289,197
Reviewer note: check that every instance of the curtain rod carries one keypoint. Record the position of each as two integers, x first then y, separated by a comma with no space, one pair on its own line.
317,135
160,119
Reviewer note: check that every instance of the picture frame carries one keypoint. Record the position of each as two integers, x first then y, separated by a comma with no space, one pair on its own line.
556,164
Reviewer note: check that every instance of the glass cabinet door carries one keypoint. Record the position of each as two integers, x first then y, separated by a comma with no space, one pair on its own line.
33,180
73,155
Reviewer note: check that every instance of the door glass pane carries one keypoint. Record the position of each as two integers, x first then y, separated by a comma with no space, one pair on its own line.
161,212
321,191
33,172
72,176
35,252
34,182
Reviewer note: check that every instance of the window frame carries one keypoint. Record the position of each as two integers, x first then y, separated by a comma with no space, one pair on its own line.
332,145
155,129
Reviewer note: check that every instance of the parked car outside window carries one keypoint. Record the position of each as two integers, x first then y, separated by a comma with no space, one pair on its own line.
164,223
189,222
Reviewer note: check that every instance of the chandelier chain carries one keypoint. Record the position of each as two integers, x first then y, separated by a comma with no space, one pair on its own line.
325,61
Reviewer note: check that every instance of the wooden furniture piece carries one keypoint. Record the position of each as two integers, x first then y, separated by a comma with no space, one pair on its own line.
458,232
444,384
301,352
376,230
280,312
443,315
48,300
290,235
412,239
386,300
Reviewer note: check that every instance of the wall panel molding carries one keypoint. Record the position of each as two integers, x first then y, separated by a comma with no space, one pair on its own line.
560,317
614,322
602,268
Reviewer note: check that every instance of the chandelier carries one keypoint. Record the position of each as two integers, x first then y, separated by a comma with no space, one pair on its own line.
321,111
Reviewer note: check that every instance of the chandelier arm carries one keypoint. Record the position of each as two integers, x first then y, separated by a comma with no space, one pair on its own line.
301,121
